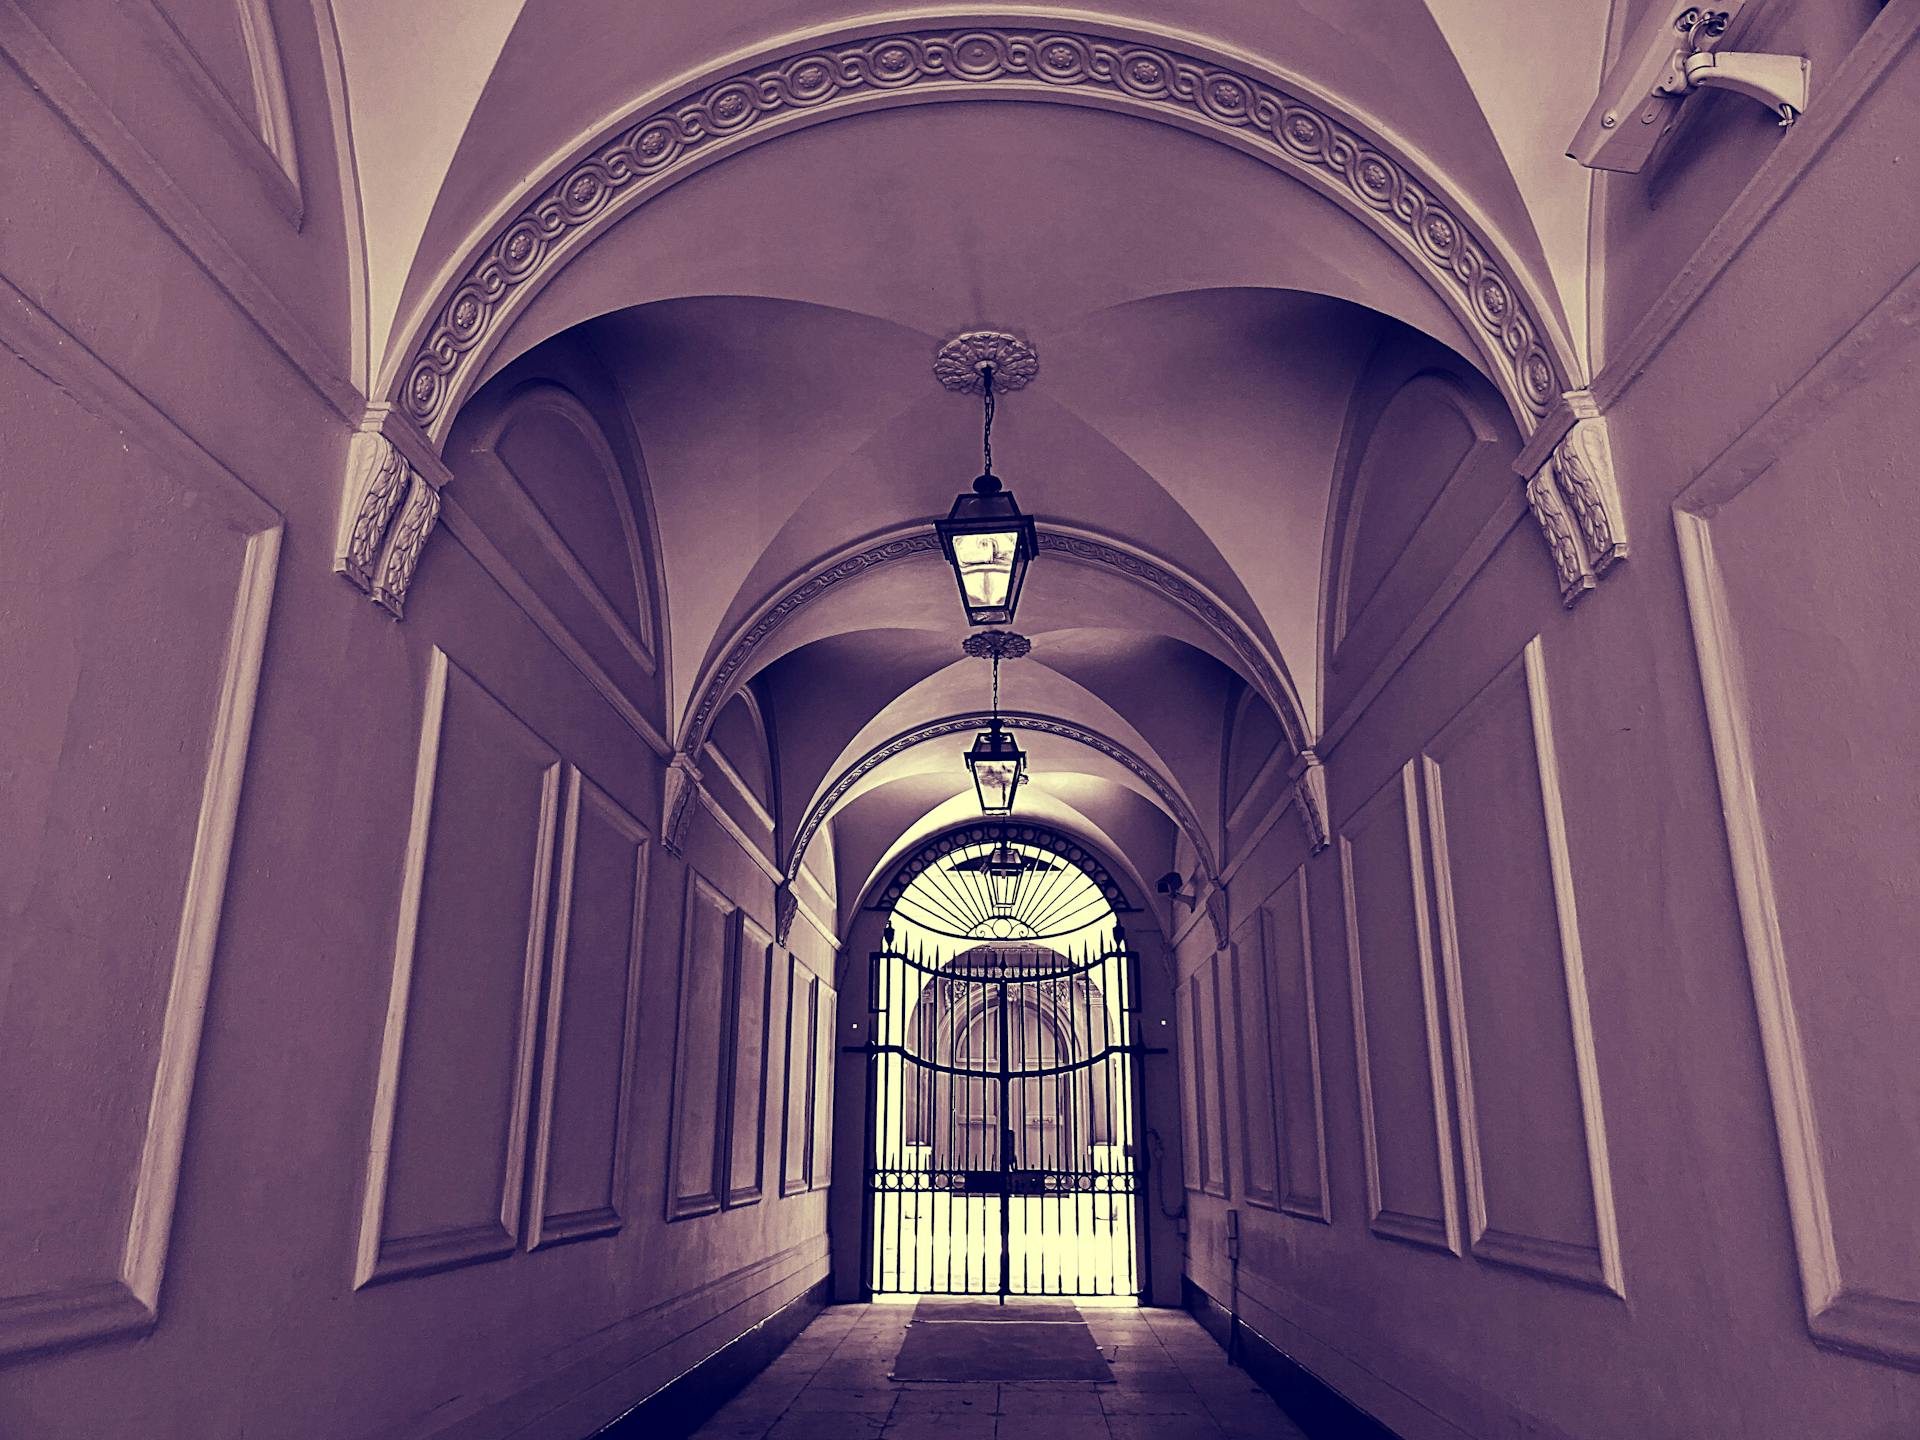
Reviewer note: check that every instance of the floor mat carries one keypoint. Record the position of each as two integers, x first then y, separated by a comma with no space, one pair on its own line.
1059,1347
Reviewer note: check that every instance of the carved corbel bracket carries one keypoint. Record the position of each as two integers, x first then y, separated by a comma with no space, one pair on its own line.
680,801
388,508
1573,493
786,905
1310,799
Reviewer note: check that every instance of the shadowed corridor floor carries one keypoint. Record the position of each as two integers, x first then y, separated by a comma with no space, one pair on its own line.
1170,1382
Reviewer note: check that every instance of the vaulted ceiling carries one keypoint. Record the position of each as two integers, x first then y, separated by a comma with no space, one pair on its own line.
1201,315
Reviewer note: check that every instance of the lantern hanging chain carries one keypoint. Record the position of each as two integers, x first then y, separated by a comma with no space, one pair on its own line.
986,431
996,691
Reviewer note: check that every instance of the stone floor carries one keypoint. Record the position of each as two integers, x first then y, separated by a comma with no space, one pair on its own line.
1172,1382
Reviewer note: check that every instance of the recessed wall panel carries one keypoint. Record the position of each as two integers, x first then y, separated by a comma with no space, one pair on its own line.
1798,560
702,1076
826,1012
1397,1044
138,577
1211,1069
448,1152
1257,1084
796,1143
1532,1138
747,1148
592,993
1192,1163
1295,1026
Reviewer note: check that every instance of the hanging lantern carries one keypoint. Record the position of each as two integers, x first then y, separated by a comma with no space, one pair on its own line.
985,537
989,544
996,760
1003,867
998,766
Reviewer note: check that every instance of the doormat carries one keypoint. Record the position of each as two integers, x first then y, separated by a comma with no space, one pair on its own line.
1058,1348
936,1308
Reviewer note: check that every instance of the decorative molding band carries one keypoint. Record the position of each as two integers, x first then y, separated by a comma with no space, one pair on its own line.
821,808
1310,799
919,540
638,157
719,687
1276,688
680,799
390,506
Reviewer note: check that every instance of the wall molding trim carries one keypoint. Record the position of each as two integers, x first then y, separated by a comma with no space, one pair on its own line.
1597,1266
1441,1232
1171,78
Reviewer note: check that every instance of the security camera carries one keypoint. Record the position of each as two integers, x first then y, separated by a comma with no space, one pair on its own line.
1169,885
1671,55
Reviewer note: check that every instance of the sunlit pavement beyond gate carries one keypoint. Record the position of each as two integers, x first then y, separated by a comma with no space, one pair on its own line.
1171,1382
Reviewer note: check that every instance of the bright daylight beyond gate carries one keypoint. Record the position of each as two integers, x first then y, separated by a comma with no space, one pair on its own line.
1001,1159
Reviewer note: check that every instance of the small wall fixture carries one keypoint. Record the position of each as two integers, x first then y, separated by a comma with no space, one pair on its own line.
986,538
1170,885
1670,56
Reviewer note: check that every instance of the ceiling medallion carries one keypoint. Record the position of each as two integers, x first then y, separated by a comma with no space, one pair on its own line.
997,645
964,362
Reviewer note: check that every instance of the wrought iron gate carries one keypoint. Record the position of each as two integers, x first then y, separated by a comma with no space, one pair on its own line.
1001,1155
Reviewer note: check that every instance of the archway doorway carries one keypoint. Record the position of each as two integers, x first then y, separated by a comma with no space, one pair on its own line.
1003,1094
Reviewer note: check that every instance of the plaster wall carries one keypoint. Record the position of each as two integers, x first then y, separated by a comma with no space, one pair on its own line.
1683,1211
342,959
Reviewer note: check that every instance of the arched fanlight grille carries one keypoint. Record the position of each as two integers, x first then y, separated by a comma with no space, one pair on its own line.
1005,883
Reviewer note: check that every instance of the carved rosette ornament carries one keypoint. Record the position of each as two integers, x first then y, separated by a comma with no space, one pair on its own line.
1573,494
1310,800
681,799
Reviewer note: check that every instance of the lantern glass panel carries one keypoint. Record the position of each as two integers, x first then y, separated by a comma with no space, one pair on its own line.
985,563
996,780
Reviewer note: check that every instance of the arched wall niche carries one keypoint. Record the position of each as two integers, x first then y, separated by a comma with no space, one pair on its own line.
1425,467
546,485
1254,733
742,747
1172,79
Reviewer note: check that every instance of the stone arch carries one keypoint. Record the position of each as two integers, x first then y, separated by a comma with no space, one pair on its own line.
1170,79
1176,805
